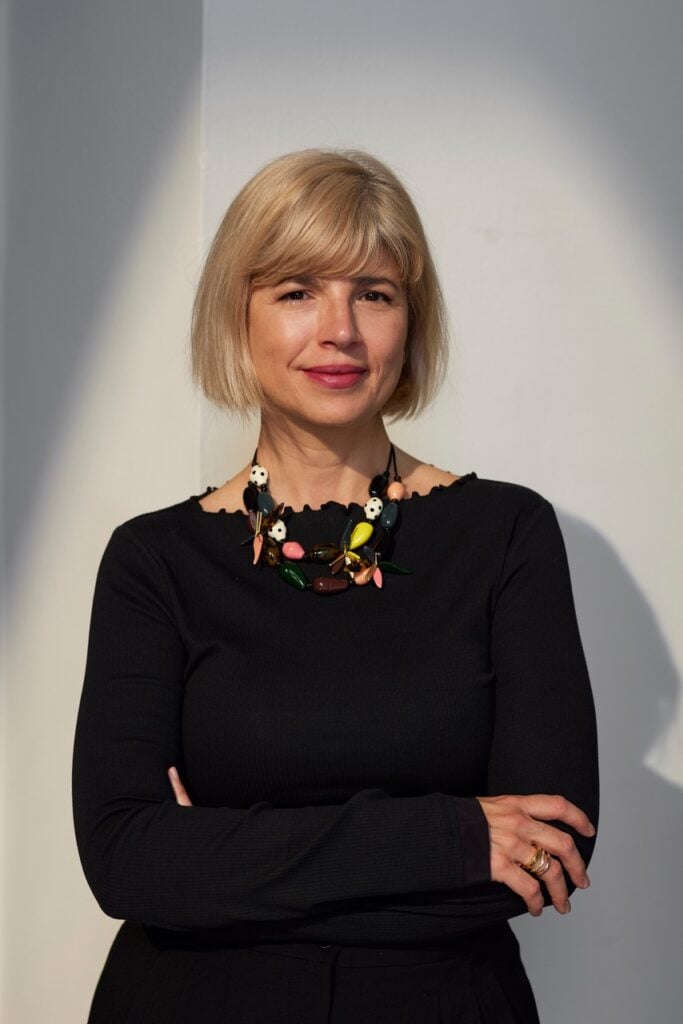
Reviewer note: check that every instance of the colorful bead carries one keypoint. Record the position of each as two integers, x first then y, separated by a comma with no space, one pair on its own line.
346,534
378,485
291,573
322,553
390,567
258,547
264,502
381,541
396,491
272,554
361,533
373,507
389,515
377,578
278,530
292,549
249,495
337,564
329,585
364,575
258,475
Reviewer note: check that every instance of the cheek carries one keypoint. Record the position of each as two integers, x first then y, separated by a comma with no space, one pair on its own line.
391,344
274,339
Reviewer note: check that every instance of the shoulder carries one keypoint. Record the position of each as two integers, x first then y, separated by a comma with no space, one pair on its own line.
511,494
510,507
501,513
498,494
421,477
149,529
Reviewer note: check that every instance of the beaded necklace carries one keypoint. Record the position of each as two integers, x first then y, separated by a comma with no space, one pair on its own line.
372,535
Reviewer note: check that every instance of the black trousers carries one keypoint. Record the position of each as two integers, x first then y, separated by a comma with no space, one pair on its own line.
153,976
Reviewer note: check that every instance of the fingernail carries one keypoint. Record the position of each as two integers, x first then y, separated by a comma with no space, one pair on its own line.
173,772
567,907
591,829
586,882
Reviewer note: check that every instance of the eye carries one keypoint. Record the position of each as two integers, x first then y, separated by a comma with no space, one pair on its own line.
377,297
295,296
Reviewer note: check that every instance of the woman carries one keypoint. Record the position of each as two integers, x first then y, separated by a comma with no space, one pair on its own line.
336,726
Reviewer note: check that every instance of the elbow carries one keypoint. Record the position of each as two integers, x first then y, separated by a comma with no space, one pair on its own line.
94,866
106,847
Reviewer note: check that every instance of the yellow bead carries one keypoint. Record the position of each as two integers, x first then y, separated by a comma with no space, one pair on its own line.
362,532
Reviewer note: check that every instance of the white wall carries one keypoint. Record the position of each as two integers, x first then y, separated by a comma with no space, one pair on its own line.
542,144
102,233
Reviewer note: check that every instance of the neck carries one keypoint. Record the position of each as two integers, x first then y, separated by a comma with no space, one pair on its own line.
311,465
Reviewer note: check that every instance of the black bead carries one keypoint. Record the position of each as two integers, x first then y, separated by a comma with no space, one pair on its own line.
378,485
249,496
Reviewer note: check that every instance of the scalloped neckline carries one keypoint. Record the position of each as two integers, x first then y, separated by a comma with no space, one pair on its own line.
194,500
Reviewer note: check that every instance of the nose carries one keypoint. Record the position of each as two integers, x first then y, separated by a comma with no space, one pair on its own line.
337,321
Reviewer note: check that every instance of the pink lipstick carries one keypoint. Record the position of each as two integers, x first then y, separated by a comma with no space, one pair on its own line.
336,375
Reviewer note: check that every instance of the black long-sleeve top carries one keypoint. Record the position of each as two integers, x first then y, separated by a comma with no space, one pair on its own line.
332,746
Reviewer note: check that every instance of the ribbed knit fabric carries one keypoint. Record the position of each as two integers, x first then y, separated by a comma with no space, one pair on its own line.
332,746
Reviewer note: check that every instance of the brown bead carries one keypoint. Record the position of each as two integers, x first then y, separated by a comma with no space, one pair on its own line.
329,584
337,564
272,555
322,552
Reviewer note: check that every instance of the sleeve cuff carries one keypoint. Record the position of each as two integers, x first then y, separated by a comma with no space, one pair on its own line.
474,839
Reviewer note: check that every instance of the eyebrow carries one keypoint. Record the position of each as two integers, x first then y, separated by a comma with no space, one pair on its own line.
362,279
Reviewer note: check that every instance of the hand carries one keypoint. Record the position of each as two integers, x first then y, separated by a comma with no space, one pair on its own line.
514,827
180,792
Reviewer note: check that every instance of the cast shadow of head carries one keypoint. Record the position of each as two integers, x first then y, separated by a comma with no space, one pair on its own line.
617,955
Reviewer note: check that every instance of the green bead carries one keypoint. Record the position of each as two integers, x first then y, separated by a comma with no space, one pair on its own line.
389,515
362,532
292,574
390,567
346,534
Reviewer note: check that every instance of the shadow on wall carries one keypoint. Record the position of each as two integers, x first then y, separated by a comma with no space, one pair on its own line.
623,935
94,92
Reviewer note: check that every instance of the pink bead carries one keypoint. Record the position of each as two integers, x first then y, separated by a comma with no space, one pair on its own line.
363,576
377,577
292,549
396,491
258,547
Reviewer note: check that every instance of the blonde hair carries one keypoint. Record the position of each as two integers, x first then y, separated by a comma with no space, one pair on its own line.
322,212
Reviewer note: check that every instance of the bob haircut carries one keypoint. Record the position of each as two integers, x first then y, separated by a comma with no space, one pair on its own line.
327,213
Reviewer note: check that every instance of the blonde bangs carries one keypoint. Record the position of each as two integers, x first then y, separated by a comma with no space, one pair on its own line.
306,238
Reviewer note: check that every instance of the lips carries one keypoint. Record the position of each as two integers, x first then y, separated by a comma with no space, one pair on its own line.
336,368
336,375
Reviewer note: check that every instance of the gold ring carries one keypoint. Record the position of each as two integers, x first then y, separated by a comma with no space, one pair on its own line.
539,862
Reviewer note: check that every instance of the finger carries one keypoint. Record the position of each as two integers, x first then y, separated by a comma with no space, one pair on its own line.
555,883
560,844
557,808
181,793
521,882
552,878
